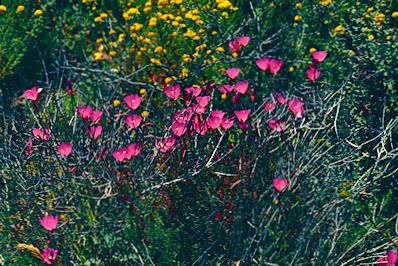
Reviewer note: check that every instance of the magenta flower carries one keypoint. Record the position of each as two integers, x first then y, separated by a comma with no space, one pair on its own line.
275,65
33,93
280,184
178,129
133,120
238,43
296,107
203,101
263,63
243,40
218,114
242,115
280,98
319,56
215,119
226,88
232,73
133,101
269,106
96,116
242,87
84,112
65,149
392,257
42,134
173,91
194,91
133,150
277,125
227,123
312,73
49,222
184,115
120,154
199,125
166,144
49,255
29,147
94,131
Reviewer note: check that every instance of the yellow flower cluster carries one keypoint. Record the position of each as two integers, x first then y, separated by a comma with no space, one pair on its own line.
325,2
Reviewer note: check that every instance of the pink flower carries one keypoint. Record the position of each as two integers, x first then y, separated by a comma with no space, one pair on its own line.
199,125
227,123
234,46
49,255
166,144
275,65
269,106
382,261
263,63
312,73
133,120
280,184
194,91
84,112
133,150
215,119
33,93
120,154
392,257
242,87
232,73
296,107
203,101
226,88
238,43
94,131
65,149
243,40
29,147
277,125
178,129
49,222
319,56
173,91
133,101
218,114
42,134
242,115
280,98
96,116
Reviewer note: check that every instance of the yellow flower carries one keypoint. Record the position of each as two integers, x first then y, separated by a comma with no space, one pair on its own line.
351,52
142,91
338,30
144,114
3,8
291,69
223,96
184,73
97,19
380,17
325,2
158,49
112,53
38,12
220,49
312,50
175,23
298,5
388,37
395,14
20,9
224,14
98,56
104,15
214,33
297,18
116,103
371,37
